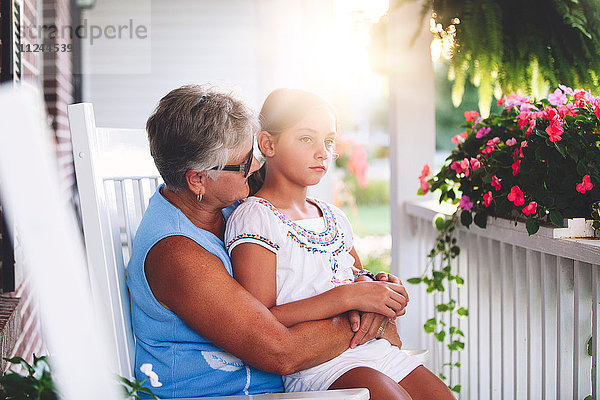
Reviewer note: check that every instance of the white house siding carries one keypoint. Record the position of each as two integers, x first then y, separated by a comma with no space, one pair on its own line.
249,46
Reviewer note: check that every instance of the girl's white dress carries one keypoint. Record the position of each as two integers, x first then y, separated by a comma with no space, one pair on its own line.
312,257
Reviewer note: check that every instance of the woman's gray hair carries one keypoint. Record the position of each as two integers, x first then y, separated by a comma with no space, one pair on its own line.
196,127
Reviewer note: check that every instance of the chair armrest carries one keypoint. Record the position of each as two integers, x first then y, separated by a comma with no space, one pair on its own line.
346,394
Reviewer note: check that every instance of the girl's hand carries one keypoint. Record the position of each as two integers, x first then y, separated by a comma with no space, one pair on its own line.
369,326
384,298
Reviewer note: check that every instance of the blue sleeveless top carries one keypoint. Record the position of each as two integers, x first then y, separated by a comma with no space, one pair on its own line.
187,364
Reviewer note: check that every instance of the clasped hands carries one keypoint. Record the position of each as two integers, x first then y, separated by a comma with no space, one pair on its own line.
371,325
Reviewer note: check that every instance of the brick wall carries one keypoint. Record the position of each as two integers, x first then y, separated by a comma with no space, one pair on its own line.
52,73
58,88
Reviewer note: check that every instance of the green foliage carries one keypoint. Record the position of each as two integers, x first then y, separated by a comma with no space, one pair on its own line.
376,192
524,157
516,46
37,384
133,389
438,278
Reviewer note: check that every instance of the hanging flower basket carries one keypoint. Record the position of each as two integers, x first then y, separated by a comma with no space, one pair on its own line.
538,162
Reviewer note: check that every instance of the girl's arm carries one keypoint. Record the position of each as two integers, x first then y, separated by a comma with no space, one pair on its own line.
254,268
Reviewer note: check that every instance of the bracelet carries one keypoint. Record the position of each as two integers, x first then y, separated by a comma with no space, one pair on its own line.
366,272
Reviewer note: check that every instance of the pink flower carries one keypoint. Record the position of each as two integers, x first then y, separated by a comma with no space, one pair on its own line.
496,183
458,139
482,132
566,89
514,100
511,142
516,167
475,164
424,185
597,107
530,208
487,199
471,115
422,181
585,185
464,164
567,109
456,167
557,98
516,196
425,171
461,166
465,203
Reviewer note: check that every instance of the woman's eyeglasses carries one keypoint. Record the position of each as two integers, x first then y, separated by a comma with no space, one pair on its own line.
245,168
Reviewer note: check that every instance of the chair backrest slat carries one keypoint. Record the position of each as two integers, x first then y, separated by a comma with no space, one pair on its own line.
115,177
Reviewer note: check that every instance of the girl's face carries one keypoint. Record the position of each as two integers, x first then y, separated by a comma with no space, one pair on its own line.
304,152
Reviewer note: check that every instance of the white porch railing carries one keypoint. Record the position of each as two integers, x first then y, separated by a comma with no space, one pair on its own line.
534,302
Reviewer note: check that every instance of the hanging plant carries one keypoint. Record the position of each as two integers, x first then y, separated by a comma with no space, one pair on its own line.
515,46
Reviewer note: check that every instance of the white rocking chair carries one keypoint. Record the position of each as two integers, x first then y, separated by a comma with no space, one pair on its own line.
114,195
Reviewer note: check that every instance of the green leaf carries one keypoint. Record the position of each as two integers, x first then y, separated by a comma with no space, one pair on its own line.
430,325
440,336
442,308
463,312
532,224
466,218
414,281
440,224
589,346
459,280
556,218
481,220
456,388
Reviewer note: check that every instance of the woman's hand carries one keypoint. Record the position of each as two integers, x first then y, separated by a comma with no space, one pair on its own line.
388,299
391,334
368,327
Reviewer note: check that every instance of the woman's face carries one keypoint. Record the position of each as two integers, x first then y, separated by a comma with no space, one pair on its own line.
304,152
231,186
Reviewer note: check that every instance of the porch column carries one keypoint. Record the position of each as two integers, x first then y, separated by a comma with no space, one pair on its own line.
412,144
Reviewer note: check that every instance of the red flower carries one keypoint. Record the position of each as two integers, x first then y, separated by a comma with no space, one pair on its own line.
516,196
516,167
581,99
531,208
501,101
585,185
496,183
555,129
597,107
475,164
532,124
487,199
471,115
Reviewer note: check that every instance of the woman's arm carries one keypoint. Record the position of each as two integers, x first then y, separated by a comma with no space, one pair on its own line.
255,268
194,284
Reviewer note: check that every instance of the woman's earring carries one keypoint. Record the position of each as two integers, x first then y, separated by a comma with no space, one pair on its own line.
199,197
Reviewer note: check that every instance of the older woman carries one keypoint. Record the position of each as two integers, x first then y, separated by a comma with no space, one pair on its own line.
192,321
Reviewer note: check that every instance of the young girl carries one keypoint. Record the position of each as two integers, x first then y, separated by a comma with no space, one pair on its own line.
295,254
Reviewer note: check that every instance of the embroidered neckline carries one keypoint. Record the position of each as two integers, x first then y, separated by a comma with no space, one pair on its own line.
327,237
